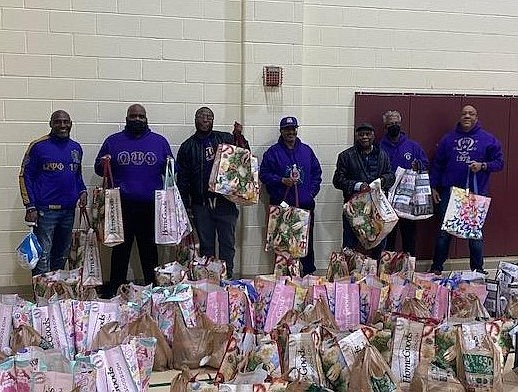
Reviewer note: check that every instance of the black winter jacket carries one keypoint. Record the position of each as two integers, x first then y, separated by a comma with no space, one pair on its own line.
350,169
192,181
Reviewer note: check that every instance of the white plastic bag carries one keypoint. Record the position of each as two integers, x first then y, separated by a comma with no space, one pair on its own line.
29,251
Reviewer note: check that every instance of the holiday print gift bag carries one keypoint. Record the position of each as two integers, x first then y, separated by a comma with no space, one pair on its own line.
235,174
370,215
285,265
288,230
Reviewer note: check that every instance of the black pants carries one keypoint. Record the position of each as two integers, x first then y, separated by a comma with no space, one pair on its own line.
221,220
139,222
407,228
308,261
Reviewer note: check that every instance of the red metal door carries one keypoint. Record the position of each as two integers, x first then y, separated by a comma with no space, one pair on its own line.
426,118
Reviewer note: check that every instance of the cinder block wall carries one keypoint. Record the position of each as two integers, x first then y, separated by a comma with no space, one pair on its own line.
95,57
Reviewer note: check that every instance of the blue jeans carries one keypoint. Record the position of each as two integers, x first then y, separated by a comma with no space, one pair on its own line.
221,220
351,241
443,240
54,233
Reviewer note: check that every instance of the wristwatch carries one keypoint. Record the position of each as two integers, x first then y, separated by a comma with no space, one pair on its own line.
484,166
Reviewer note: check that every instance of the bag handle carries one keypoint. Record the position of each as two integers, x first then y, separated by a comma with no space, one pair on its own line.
83,214
169,180
296,194
419,165
475,185
107,174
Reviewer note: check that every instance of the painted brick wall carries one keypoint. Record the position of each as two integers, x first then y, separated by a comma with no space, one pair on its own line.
95,57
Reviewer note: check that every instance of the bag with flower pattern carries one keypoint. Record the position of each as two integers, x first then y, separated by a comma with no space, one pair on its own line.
235,175
370,215
288,229
466,212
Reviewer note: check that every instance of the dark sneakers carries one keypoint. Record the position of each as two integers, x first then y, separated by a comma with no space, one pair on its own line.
482,271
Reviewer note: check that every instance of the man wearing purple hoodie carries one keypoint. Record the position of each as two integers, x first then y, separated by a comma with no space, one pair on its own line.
408,154
466,151
138,158
291,172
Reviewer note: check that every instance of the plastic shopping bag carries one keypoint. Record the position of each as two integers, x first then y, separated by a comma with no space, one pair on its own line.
29,251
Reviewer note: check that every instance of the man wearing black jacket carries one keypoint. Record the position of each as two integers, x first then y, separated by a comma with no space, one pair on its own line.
212,212
356,168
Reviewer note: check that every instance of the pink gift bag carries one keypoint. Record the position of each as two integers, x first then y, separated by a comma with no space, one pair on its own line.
347,309
282,300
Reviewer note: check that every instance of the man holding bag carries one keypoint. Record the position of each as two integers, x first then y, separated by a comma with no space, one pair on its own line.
138,159
466,151
407,154
51,183
356,168
212,212
291,173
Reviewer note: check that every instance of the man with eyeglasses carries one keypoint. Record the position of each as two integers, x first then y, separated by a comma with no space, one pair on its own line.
407,154
212,213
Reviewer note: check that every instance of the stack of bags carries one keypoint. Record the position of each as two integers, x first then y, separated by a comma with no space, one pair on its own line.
367,326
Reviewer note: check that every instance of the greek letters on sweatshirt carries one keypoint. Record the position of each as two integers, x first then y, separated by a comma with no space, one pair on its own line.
279,161
137,163
51,173
457,150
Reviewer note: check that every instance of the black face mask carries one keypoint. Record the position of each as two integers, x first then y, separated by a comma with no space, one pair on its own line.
136,127
393,131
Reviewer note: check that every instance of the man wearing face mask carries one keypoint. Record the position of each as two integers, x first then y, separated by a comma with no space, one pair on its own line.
291,173
51,184
356,168
138,158
408,154
212,213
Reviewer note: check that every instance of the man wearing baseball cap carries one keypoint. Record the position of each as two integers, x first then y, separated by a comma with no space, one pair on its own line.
290,170
356,168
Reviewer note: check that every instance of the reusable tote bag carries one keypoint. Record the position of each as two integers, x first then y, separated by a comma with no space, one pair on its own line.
370,215
466,212
113,230
77,247
235,174
411,194
91,274
288,228
171,221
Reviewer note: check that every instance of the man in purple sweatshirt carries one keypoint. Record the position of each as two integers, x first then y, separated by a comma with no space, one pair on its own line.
51,183
466,151
408,154
138,158
291,172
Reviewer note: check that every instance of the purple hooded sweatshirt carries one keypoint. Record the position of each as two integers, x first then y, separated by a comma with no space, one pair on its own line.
137,163
403,152
457,149
278,161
